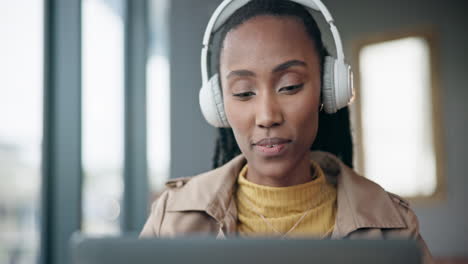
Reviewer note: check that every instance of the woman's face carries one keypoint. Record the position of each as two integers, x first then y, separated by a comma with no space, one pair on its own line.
270,74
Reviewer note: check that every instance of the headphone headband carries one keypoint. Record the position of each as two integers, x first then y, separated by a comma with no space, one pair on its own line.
229,7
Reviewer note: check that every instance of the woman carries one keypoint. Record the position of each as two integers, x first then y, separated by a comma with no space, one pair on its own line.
266,180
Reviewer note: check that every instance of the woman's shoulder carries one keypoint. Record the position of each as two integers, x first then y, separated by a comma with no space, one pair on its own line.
194,204
207,183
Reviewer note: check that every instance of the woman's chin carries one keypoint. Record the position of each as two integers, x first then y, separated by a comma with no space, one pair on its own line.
276,169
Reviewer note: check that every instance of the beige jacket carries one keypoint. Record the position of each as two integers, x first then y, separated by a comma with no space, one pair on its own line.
204,204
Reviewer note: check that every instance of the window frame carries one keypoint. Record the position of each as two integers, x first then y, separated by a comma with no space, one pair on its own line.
430,35
135,203
61,153
62,172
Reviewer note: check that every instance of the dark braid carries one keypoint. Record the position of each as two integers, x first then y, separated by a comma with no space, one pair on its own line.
226,147
334,133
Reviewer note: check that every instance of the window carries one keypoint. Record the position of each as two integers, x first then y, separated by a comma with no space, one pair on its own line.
102,115
398,119
21,99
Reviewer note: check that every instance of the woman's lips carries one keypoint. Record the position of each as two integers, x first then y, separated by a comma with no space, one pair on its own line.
271,150
272,141
272,146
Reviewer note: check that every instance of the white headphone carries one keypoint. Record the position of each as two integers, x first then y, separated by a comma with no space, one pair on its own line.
337,87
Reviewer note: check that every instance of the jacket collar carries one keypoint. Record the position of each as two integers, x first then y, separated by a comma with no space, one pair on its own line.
361,203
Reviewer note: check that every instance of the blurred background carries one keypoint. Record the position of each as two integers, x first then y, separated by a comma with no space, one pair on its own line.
99,107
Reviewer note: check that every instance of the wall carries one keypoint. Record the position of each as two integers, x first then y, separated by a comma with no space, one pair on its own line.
192,141
444,225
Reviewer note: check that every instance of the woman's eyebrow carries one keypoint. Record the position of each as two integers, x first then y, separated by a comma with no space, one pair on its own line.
288,64
279,68
241,73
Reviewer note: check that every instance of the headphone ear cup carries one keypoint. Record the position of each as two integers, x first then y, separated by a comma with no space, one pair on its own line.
211,103
344,91
337,85
328,85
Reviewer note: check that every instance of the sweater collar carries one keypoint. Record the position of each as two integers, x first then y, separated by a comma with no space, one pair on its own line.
361,203
283,201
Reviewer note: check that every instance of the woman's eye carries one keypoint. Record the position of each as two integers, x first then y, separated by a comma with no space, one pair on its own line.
291,88
244,95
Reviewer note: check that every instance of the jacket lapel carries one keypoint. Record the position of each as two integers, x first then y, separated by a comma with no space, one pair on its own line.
361,202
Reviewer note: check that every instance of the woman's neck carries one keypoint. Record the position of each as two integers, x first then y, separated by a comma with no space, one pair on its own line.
299,174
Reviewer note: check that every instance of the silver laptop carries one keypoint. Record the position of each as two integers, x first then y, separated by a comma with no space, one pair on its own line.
131,250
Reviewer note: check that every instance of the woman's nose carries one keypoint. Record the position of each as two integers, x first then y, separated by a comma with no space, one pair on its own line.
268,112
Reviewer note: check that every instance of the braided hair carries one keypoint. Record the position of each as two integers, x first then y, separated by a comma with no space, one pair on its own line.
334,133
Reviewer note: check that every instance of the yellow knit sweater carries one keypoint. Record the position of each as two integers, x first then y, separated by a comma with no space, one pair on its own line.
282,207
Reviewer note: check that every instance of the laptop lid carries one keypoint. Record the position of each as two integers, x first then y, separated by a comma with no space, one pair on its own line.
131,250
